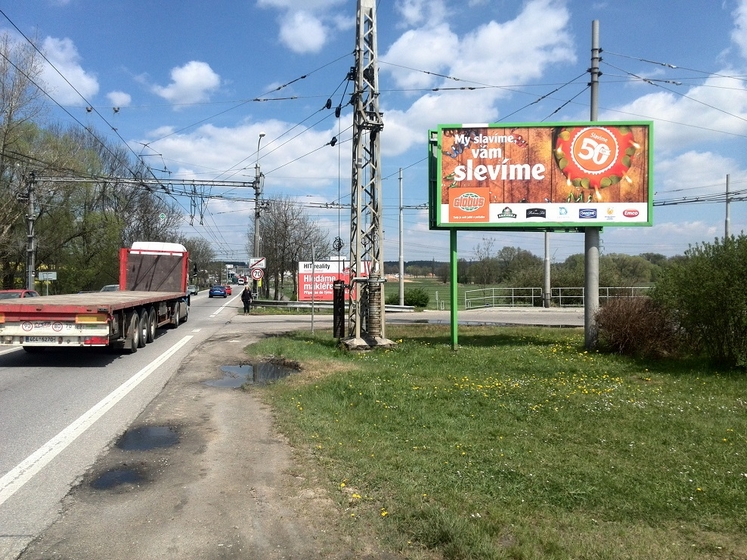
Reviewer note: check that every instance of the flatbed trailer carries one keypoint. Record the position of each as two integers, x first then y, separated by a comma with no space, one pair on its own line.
128,318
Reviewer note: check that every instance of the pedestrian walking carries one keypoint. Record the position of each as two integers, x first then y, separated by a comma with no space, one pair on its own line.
246,299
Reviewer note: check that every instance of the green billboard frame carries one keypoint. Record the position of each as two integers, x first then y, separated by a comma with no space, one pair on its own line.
563,176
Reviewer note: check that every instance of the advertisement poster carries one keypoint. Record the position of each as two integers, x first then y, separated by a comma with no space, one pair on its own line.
529,176
319,283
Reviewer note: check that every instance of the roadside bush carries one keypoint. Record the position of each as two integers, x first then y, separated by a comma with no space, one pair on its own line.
417,297
637,326
705,293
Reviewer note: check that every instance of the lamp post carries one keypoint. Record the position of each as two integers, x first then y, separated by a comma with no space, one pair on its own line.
257,194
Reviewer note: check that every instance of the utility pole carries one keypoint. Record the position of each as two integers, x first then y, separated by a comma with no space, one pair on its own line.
727,222
401,244
257,209
591,234
366,324
31,235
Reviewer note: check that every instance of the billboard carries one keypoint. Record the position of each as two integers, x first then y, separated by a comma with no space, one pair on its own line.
316,279
541,176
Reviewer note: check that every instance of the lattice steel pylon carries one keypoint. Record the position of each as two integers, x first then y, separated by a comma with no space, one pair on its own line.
366,324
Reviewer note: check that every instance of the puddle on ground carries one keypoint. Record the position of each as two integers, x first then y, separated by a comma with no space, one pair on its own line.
116,477
236,376
148,437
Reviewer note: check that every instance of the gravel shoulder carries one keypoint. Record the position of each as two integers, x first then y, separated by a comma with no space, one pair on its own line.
228,489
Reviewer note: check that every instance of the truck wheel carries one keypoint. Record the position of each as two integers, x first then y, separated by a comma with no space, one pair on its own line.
176,319
152,325
132,341
143,324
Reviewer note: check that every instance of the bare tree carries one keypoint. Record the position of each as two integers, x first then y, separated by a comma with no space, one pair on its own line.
485,270
20,105
201,254
288,236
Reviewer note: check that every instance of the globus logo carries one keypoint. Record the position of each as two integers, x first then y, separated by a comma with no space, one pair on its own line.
469,202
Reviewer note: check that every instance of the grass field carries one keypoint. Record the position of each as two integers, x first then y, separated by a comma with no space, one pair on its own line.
519,445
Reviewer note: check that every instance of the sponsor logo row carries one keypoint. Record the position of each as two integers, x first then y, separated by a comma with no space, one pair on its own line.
565,212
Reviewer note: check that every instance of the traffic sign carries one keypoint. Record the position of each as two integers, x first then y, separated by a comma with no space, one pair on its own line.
257,262
257,273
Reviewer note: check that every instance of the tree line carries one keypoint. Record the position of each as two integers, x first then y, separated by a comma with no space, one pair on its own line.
516,267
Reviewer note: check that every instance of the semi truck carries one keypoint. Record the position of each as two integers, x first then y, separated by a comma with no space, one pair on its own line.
152,293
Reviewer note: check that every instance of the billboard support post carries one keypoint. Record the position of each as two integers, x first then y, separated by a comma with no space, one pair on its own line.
454,292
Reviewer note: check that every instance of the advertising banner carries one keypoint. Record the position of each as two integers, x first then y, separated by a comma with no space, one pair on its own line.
540,176
319,283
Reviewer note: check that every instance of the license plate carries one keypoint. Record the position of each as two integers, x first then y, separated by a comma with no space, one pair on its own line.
42,339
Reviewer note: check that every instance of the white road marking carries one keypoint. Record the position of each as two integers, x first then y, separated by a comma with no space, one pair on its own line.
222,307
29,467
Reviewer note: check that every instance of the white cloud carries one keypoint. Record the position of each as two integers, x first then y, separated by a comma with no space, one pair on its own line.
421,12
119,98
420,49
495,53
303,32
519,50
695,115
692,174
305,26
283,160
63,55
191,83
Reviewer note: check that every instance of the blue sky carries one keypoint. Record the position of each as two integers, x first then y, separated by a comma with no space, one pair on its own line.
195,83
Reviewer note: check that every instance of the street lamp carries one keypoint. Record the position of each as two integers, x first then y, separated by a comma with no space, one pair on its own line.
257,194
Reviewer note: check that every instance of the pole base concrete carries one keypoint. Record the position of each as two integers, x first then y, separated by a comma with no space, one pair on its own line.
361,344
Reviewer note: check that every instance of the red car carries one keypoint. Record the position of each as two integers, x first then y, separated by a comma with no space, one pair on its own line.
15,294
228,290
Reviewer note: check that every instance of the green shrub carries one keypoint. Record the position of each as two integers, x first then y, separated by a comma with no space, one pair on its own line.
417,297
637,326
706,295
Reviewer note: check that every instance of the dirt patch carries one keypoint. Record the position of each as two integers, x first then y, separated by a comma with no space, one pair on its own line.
228,488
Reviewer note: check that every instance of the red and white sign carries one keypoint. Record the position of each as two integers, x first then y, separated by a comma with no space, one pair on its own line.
319,283
257,273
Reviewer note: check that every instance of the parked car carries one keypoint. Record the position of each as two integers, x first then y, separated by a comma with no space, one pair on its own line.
217,291
228,289
110,288
15,294
192,289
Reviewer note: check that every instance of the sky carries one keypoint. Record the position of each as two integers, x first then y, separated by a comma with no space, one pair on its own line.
189,87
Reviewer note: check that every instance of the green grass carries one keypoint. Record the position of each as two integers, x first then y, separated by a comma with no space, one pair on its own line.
520,445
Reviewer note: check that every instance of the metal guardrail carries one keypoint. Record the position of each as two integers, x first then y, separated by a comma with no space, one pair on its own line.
319,305
534,297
